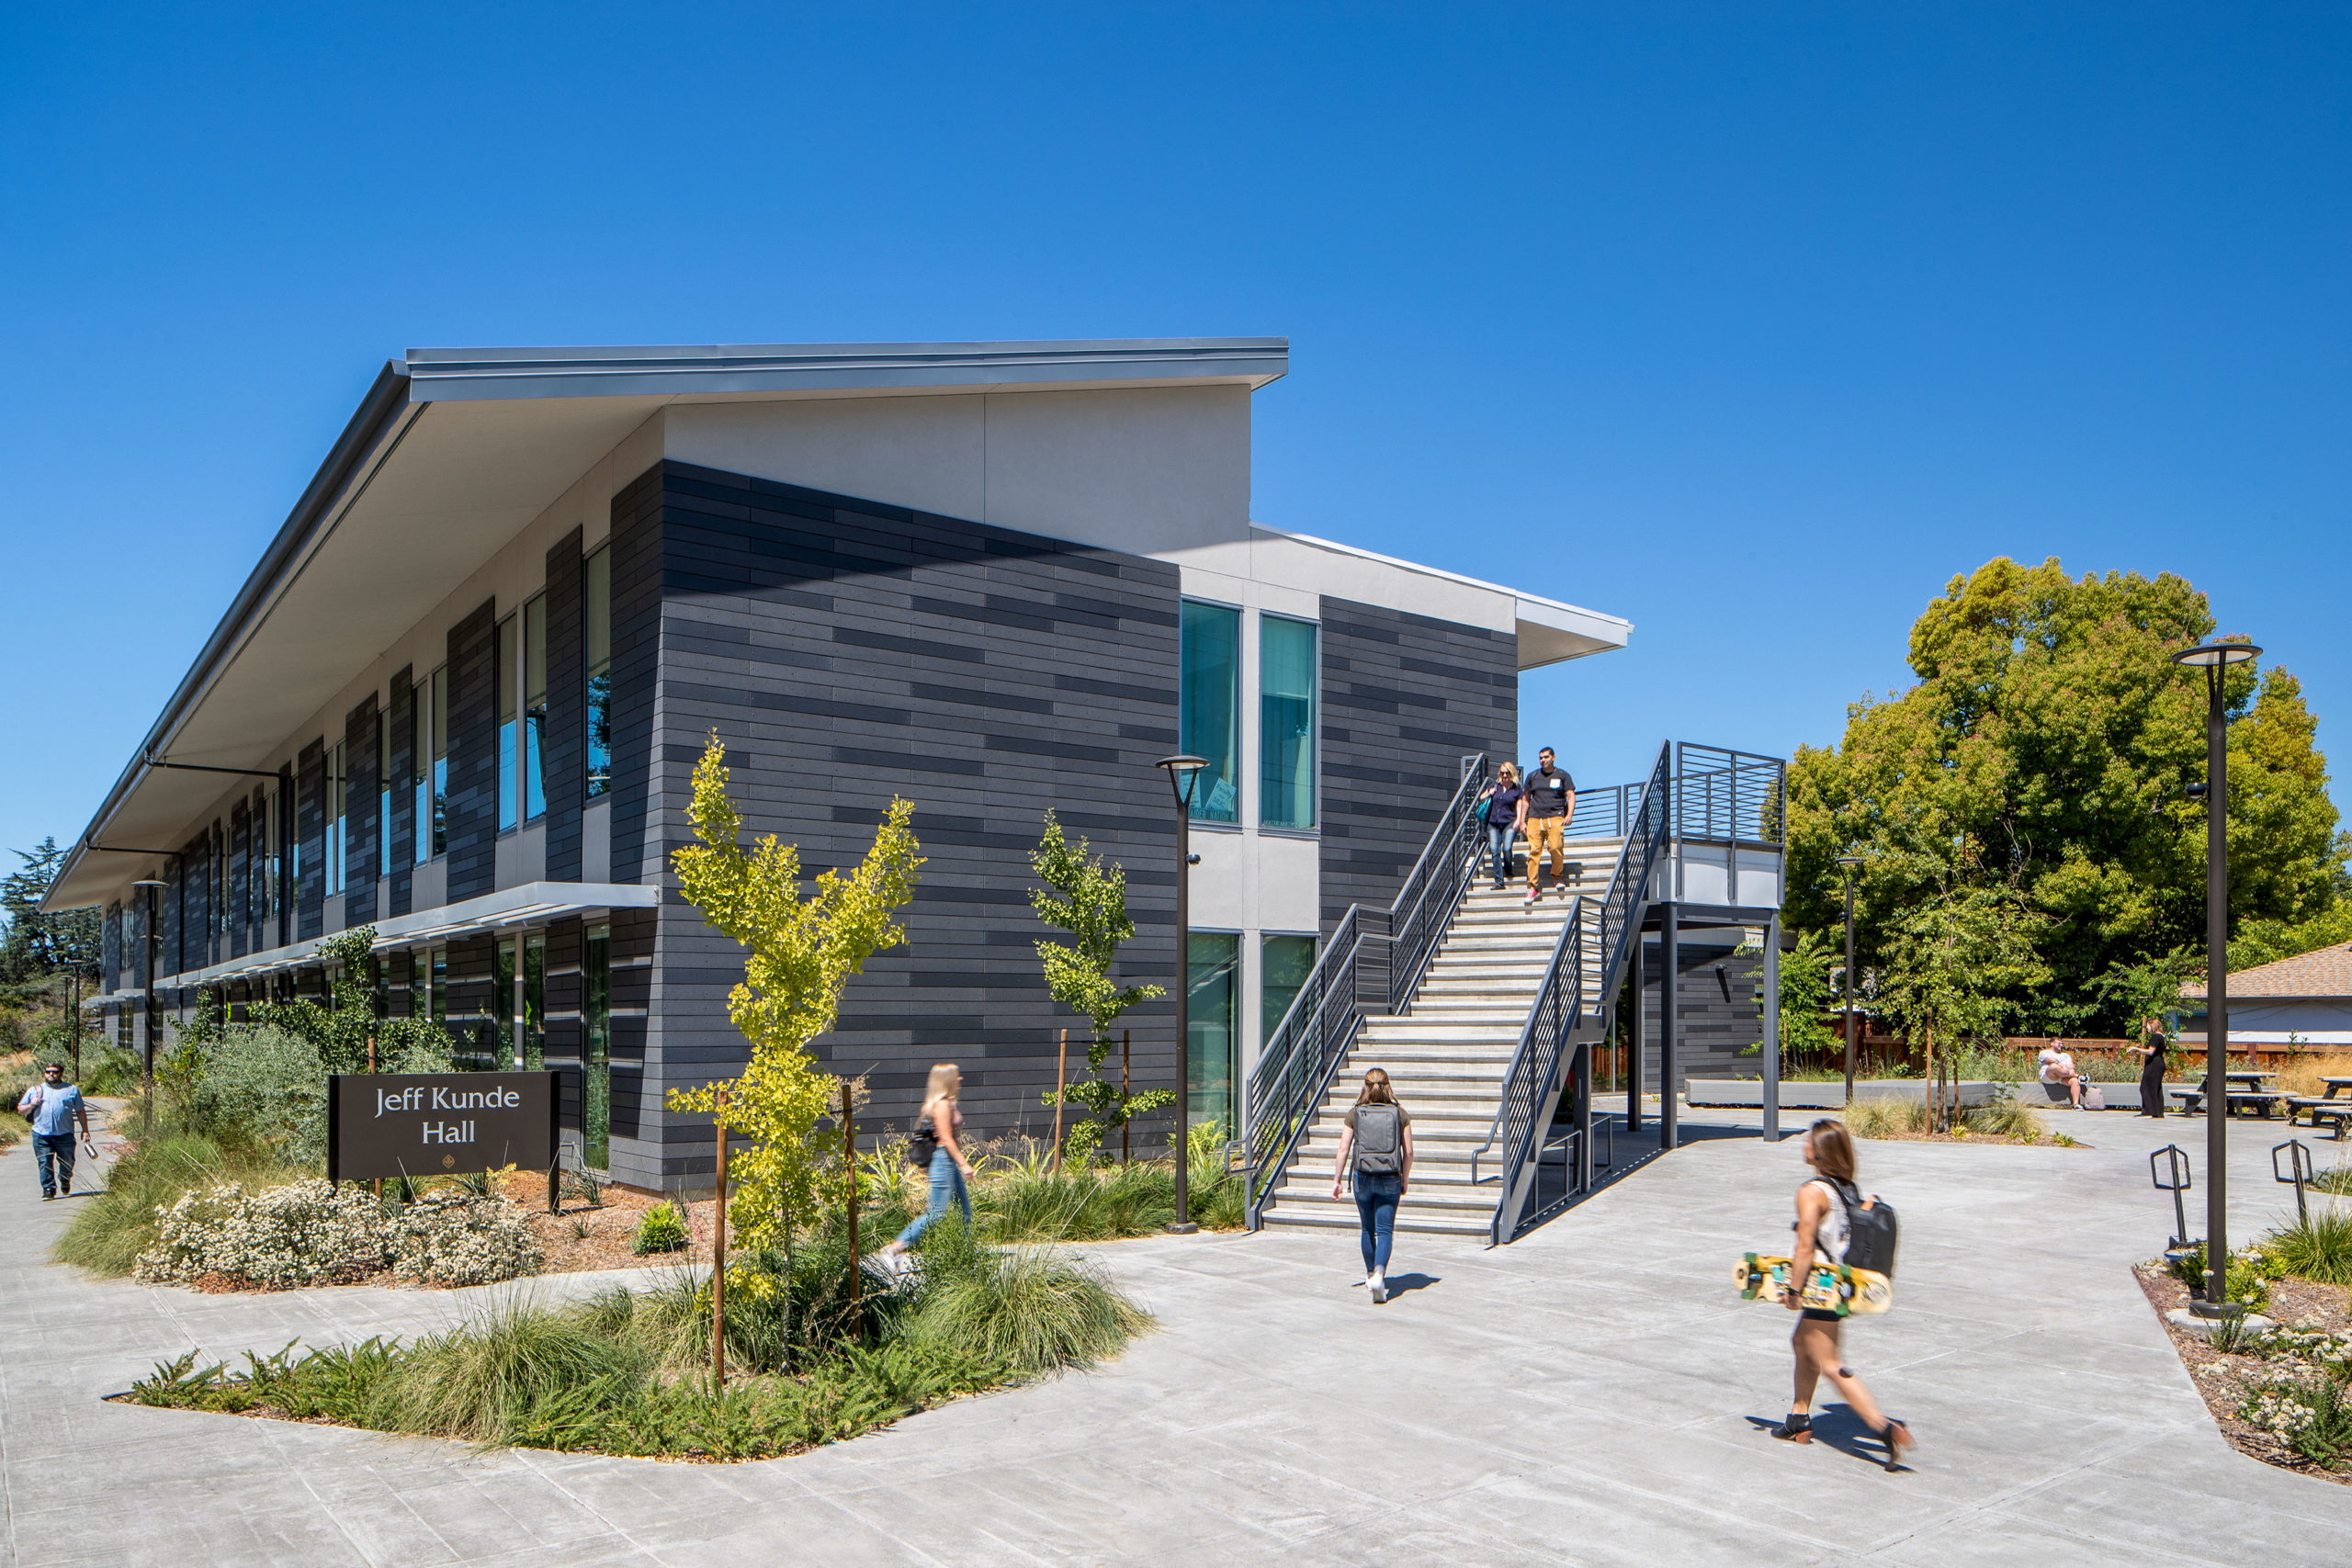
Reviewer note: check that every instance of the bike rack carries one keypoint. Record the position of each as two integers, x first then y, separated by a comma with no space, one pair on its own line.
2176,1166
2299,1171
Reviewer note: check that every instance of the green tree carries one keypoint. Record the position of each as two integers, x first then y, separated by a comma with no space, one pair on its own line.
802,953
2267,942
2044,754
1805,996
38,947
1087,897
1958,961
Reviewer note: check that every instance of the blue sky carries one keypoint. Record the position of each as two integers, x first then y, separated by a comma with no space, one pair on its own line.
1752,324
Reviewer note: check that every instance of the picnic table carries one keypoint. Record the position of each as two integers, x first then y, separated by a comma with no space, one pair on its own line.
2240,1089
2334,1104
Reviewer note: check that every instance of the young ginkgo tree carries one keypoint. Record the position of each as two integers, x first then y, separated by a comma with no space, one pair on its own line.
1087,897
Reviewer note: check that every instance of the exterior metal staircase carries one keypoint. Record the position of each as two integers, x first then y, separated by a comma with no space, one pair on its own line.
1484,1008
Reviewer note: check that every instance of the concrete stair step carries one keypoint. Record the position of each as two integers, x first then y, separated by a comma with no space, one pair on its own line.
1341,1218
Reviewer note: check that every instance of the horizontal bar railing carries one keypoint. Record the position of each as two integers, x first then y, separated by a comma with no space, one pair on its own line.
1432,890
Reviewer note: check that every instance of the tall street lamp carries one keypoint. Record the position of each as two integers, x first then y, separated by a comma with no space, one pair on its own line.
1184,773
154,1012
1851,865
2214,659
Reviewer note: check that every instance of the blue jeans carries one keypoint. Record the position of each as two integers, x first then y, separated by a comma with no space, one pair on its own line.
1376,1195
1498,838
946,1181
54,1148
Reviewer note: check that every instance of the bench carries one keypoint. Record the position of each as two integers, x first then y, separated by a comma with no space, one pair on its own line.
2192,1100
2335,1110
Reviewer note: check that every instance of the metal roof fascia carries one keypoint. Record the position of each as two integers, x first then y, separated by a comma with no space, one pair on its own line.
465,374
384,400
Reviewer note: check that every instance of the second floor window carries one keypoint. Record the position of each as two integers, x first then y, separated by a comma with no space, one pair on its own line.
430,764
1285,722
534,708
599,617
1209,697
509,737
336,781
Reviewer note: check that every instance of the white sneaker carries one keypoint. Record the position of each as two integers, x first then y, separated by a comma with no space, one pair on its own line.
1379,1290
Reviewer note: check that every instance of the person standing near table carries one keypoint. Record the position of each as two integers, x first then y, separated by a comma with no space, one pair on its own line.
2151,1051
53,1106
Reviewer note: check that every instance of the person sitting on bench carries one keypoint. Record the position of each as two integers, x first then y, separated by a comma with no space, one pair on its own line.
2058,1067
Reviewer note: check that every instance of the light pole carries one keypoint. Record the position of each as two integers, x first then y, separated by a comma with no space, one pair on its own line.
1852,865
1184,773
154,1011
2214,658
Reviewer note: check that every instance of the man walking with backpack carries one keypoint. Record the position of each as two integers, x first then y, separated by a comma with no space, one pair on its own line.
53,1106
1376,1149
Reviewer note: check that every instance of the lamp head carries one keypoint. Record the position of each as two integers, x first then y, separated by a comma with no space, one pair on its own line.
1851,862
151,882
1183,772
2208,655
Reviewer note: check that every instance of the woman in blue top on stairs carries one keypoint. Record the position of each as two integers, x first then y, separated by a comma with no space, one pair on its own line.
1376,1150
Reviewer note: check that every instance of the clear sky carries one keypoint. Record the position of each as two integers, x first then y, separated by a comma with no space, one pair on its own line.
1751,324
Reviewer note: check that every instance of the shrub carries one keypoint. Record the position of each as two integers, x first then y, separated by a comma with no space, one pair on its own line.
267,1084
458,1238
2247,1279
113,1073
111,1229
660,1231
488,1376
1031,1310
2318,1248
305,1232
2312,1418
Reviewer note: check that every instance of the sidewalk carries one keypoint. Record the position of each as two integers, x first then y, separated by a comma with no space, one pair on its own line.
1593,1394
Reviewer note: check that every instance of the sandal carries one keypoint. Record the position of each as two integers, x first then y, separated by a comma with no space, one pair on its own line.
1795,1429
1897,1437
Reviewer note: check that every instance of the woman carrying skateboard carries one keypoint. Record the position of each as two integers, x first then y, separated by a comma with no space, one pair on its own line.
1822,1233
1376,1151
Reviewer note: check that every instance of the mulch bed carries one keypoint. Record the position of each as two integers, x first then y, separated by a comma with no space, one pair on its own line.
2223,1379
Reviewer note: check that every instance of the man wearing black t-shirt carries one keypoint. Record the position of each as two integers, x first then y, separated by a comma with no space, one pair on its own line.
1549,806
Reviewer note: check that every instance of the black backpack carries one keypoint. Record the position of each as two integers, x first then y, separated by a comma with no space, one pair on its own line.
1379,1136
1869,1232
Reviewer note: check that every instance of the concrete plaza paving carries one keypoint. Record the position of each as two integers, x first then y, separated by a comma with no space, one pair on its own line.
1594,1394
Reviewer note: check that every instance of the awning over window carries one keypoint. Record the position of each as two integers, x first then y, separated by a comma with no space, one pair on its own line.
532,904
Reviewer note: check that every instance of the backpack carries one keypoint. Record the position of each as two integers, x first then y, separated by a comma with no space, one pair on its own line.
922,1144
1870,1232
1380,1137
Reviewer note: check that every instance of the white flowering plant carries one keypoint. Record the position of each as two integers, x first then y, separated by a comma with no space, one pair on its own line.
459,1238
315,1233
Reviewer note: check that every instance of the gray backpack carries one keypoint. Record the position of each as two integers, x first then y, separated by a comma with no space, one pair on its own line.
1380,1139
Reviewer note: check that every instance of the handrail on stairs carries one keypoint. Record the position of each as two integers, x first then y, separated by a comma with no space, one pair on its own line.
1295,1065
1562,1005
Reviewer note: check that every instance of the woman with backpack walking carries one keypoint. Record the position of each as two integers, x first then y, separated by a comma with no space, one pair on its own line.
1376,1150
935,1148
1826,1206
1499,809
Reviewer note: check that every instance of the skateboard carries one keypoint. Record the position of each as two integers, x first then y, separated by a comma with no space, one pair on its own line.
1830,1287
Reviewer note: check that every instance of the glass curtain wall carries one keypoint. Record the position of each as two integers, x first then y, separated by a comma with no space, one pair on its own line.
599,617
431,751
1215,989
509,683
1285,722
1285,962
336,804
597,1088
534,708
384,791
1210,699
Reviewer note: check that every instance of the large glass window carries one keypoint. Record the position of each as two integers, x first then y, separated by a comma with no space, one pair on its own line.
336,809
509,683
599,672
1283,963
384,791
430,755
1285,722
1211,698
273,852
1215,987
534,708
596,1090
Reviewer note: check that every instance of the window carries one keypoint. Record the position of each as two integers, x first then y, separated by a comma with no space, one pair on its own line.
535,1002
1285,722
509,763
1210,1043
534,708
220,881
597,1089
335,803
384,791
433,985
273,852
1285,962
599,672
1210,699
429,759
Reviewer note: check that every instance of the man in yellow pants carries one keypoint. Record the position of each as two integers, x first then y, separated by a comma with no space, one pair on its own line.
1550,806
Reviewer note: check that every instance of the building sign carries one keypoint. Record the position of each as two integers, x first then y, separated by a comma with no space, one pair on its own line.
417,1125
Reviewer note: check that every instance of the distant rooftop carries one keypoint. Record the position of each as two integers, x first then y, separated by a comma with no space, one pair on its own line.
2327,972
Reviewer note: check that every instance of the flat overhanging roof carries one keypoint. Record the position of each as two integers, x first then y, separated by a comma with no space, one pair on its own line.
449,456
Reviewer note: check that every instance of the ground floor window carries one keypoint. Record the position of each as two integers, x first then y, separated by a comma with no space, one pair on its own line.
1215,990
122,1029
1285,963
597,1088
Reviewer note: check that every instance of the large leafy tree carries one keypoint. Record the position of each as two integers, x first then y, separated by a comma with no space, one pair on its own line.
36,946
2042,761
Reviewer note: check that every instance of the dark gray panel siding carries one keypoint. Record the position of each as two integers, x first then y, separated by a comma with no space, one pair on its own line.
848,651
1718,1012
567,749
473,754
1405,699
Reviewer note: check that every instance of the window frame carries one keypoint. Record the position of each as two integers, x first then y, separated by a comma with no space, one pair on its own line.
1314,738
596,627
1183,704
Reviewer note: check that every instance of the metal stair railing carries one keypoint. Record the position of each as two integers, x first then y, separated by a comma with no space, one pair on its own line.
1294,1067
1562,1004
